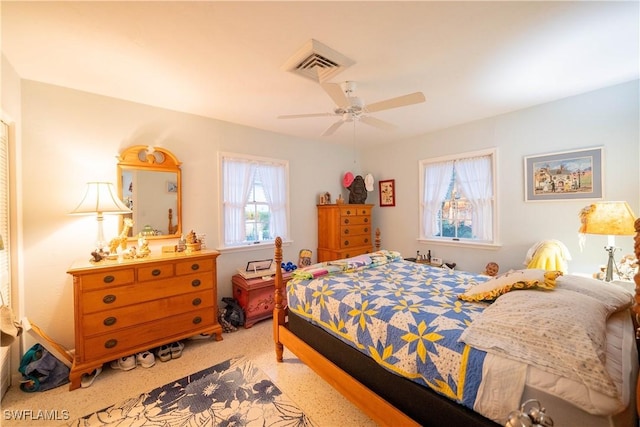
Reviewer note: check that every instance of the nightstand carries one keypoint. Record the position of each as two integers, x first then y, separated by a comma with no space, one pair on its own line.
256,296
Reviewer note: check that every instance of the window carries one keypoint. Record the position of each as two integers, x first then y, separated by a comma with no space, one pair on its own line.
457,198
255,199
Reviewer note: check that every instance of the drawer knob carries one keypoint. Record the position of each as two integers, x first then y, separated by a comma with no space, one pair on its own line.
109,279
195,283
348,212
346,231
366,220
108,299
197,320
195,267
196,301
346,220
366,240
346,243
366,229
109,321
111,343
156,272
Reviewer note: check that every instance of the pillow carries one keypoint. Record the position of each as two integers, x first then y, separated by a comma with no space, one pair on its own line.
550,331
613,296
514,279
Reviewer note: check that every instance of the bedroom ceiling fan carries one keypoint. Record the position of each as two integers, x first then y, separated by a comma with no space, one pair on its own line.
350,107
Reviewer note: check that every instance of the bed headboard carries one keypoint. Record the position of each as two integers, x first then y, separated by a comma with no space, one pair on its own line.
636,278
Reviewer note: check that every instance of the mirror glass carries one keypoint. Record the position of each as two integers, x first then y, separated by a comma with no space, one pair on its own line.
149,182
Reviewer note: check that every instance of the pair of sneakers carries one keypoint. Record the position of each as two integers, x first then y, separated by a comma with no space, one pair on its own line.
127,363
170,351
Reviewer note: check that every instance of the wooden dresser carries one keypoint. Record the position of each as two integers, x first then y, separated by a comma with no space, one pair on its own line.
122,308
344,230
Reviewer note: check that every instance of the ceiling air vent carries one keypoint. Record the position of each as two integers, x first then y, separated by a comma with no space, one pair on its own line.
317,62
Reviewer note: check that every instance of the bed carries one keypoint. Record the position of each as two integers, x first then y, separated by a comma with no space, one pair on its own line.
455,365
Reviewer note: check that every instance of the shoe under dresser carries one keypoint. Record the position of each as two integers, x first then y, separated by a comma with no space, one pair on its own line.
125,307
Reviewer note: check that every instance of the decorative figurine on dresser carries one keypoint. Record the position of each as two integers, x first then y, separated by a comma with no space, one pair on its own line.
133,305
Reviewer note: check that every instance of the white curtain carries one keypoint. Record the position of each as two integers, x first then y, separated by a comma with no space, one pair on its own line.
274,186
473,176
437,177
237,178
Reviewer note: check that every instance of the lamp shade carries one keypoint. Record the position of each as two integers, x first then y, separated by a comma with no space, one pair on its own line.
100,198
610,218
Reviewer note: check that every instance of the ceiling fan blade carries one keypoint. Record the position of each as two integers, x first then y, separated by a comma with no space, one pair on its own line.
331,129
334,90
380,124
302,116
400,101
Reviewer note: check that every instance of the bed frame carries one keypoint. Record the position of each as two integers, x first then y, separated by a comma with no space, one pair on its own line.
376,407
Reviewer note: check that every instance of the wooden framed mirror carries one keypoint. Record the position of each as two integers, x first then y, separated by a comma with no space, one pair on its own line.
150,183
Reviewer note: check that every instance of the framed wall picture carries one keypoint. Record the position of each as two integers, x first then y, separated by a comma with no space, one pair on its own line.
568,175
387,191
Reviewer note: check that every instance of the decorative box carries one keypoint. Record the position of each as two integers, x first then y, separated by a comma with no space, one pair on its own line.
256,297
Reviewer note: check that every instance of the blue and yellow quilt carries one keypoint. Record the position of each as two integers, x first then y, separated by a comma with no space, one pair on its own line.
404,315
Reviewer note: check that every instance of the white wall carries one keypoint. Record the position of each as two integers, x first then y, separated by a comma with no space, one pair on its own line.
73,137
607,117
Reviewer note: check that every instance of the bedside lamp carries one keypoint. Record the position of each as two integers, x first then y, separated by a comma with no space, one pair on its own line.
609,218
100,198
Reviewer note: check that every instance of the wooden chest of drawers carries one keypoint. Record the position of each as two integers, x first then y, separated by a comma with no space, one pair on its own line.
344,231
122,308
256,297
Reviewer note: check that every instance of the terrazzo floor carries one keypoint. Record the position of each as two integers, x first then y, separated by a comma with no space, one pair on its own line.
324,405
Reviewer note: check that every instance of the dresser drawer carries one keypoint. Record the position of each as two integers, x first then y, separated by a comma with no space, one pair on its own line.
155,272
354,220
150,332
111,320
354,230
355,241
107,279
122,296
355,211
190,267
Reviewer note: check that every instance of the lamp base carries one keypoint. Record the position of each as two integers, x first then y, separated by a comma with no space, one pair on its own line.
611,264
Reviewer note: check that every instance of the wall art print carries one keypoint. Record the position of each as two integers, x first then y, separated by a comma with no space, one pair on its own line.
568,175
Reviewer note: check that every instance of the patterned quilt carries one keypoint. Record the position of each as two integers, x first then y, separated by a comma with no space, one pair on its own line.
404,315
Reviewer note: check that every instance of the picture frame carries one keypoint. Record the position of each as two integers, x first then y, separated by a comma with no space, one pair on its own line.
566,175
387,191
172,187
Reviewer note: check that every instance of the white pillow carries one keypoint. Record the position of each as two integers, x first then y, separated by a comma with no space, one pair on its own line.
562,332
511,280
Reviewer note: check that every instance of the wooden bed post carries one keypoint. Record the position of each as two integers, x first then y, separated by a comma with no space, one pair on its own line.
377,239
636,305
278,310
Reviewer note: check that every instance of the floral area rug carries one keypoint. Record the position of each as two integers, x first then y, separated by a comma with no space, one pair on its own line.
232,393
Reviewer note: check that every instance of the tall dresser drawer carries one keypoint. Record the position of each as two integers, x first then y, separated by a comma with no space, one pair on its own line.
354,220
355,241
150,332
107,279
354,230
122,296
110,320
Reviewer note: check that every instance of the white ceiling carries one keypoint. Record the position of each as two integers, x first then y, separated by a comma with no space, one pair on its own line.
225,59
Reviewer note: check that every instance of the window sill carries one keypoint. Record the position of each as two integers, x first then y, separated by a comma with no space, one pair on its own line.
462,244
251,247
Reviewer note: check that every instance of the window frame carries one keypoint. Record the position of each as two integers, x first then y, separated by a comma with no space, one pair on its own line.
223,246
450,241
